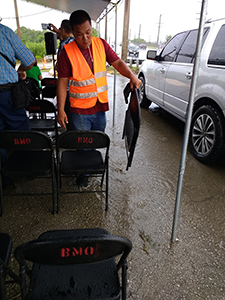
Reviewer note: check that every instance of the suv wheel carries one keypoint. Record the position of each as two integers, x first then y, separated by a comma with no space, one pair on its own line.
144,102
206,134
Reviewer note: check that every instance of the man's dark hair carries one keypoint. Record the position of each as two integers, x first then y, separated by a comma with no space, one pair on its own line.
66,26
78,17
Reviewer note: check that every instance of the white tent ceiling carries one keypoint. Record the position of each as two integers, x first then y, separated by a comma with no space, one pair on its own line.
93,7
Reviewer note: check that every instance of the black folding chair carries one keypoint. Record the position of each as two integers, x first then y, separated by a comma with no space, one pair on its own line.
5,270
79,153
49,87
74,264
131,123
31,155
33,87
43,116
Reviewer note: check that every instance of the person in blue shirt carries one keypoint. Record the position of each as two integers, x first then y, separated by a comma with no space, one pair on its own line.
12,47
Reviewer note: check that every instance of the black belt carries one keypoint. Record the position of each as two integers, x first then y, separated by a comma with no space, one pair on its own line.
6,87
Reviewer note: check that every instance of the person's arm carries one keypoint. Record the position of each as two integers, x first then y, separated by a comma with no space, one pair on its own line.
61,99
124,70
22,70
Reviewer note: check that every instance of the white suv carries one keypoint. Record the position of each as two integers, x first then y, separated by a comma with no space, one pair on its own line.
166,81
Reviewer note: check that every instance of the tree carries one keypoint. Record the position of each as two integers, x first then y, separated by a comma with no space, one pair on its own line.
168,37
35,40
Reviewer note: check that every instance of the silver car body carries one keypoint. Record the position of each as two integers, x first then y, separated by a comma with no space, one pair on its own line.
168,83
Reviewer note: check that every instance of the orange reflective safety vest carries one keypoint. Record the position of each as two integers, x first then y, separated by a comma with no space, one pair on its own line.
84,86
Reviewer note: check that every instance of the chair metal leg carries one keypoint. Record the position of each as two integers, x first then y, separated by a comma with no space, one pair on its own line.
1,197
2,284
53,187
107,188
124,279
59,183
13,275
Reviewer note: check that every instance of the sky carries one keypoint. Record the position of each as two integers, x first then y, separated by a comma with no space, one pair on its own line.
145,16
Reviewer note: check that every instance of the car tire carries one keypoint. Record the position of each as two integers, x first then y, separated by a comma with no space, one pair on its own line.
207,134
144,101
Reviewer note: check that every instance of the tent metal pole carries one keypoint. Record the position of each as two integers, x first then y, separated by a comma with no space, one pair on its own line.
114,85
189,116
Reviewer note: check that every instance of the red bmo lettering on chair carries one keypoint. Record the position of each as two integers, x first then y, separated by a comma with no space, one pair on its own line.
85,140
79,251
22,141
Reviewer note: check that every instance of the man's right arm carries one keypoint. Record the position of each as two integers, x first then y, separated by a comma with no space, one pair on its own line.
61,99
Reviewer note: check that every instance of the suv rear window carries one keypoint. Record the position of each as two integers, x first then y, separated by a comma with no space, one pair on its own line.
217,54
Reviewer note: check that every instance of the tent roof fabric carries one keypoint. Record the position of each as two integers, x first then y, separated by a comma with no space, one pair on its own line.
93,7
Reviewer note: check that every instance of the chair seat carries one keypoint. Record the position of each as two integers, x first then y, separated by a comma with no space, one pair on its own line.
28,163
80,161
71,282
42,124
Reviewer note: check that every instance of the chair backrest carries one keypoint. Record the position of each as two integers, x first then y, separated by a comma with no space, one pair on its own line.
24,140
41,106
33,86
73,250
49,81
83,139
49,87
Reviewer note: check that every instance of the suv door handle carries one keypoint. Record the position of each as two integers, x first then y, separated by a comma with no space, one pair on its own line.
162,71
188,75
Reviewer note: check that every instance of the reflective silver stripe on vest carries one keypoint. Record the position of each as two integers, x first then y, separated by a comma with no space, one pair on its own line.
102,88
100,74
83,95
82,83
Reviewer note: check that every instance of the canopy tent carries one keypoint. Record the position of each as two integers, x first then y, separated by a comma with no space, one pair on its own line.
93,7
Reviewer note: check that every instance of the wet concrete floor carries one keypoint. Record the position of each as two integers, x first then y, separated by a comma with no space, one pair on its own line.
141,207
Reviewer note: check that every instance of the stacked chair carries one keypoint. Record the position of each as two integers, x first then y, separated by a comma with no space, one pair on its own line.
43,118
31,154
74,264
49,87
80,153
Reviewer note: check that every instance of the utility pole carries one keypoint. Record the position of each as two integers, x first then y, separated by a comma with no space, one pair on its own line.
159,29
17,20
125,29
106,28
139,34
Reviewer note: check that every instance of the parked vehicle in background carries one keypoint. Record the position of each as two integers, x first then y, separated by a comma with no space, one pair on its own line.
166,79
48,58
133,50
142,46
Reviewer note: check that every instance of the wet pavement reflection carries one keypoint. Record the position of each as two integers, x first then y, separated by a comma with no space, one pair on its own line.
141,207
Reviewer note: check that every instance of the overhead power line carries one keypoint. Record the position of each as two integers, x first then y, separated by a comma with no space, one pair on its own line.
28,15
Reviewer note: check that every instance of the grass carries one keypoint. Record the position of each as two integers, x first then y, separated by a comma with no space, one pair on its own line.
110,70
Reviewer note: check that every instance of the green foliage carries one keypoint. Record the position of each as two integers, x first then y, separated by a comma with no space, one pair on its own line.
138,41
38,49
168,37
94,32
34,40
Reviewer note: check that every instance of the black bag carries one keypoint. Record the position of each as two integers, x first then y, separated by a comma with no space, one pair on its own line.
21,96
